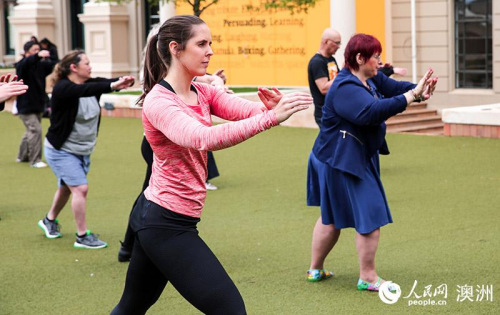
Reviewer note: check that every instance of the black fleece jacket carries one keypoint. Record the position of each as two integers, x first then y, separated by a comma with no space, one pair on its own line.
33,70
64,104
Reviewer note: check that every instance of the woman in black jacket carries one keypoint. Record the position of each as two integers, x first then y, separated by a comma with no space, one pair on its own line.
71,138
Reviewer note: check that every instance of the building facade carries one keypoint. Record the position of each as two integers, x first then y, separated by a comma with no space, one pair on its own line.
460,39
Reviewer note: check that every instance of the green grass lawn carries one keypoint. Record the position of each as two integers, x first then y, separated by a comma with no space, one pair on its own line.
443,192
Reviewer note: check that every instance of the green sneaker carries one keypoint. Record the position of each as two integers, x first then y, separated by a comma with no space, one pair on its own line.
51,228
90,241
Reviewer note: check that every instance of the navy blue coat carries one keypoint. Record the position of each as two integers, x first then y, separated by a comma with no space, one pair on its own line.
353,124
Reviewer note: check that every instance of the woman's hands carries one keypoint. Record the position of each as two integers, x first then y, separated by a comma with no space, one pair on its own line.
269,98
123,83
44,54
217,80
426,86
220,73
284,105
289,104
5,78
9,88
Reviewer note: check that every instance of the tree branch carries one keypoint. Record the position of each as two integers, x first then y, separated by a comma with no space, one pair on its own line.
205,7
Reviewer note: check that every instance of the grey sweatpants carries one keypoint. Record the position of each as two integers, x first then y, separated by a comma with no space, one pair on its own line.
30,148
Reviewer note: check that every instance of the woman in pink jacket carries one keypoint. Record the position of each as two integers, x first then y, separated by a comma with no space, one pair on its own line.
177,123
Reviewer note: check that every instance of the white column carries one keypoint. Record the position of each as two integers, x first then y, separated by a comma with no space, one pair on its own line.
413,41
106,38
343,19
388,31
32,17
167,10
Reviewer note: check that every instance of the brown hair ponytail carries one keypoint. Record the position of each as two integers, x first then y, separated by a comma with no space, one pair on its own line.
154,68
158,58
62,68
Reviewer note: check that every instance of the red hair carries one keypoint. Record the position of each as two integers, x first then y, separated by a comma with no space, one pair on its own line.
363,44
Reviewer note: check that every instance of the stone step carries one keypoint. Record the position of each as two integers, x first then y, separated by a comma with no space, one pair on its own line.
413,121
437,131
414,106
432,127
416,119
414,113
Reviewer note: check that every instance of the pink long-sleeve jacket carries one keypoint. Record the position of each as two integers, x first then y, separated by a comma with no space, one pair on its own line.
181,134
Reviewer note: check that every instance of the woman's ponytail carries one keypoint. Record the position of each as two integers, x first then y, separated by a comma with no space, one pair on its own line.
157,58
154,68
62,68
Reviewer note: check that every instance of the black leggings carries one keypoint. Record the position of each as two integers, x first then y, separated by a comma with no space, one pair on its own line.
147,155
181,257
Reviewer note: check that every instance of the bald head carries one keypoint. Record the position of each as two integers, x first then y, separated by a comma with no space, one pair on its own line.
330,42
330,33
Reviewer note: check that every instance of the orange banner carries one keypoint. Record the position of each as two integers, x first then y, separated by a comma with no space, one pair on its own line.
256,46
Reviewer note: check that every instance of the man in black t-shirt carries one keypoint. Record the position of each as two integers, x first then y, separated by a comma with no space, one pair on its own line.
322,69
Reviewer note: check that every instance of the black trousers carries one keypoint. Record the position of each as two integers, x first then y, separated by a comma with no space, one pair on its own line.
169,250
212,169
147,155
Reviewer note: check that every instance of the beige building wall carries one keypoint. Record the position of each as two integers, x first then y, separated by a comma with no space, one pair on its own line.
496,46
120,51
3,60
62,30
436,48
114,35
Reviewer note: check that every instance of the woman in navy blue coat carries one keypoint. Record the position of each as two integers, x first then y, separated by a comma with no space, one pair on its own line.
344,172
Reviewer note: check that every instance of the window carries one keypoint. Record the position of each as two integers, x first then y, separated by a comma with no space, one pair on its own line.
473,44
77,31
8,9
151,16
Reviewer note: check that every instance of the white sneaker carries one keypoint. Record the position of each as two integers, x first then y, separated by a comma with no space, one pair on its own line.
39,165
210,186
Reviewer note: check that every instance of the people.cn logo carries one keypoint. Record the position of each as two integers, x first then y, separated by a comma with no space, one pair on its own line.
389,292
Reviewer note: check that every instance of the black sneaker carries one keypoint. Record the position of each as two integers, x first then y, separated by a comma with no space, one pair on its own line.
90,241
125,253
51,229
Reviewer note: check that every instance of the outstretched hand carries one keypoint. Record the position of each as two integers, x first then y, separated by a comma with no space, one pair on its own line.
220,73
5,78
426,86
291,103
44,54
429,88
218,82
9,88
400,71
269,98
123,82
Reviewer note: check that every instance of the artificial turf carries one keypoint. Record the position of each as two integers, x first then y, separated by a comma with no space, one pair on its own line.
443,192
